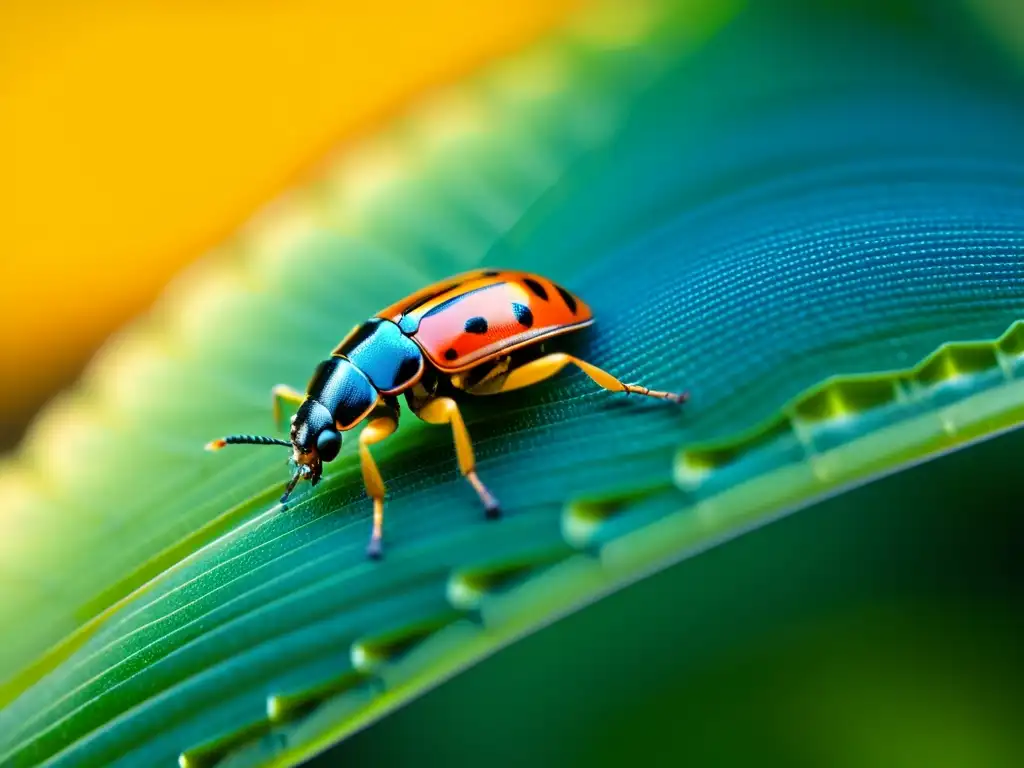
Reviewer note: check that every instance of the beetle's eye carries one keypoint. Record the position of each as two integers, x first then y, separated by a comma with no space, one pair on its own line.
328,444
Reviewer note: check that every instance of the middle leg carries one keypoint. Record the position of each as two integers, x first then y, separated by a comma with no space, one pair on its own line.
444,410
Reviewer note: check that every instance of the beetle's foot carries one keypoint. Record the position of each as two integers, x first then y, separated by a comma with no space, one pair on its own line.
492,509
374,550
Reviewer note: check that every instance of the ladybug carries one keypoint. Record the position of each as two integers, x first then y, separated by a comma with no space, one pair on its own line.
479,333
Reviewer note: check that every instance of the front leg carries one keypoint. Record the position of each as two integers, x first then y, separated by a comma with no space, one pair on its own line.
282,393
444,410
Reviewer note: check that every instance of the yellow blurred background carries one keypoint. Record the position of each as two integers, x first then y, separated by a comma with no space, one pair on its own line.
134,135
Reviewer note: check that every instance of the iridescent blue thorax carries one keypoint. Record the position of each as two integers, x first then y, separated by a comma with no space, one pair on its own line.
387,357
375,359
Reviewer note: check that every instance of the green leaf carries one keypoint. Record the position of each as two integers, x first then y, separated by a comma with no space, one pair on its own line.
751,218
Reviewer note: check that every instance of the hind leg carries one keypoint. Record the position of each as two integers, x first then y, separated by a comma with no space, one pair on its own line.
549,365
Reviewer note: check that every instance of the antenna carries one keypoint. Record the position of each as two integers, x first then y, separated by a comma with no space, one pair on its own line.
216,445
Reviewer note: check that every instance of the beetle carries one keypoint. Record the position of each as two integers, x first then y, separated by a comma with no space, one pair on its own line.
479,333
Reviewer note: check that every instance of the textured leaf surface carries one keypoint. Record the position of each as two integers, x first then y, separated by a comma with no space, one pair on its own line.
829,257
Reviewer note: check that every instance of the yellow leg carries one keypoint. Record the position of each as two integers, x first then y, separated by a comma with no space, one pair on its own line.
444,410
375,431
282,393
547,366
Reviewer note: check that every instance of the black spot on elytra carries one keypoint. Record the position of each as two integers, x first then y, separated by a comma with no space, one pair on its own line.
523,314
536,287
568,298
450,354
476,325
490,273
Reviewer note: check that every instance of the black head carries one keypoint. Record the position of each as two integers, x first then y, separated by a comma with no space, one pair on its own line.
314,440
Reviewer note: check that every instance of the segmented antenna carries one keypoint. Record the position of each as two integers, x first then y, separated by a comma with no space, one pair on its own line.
216,445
